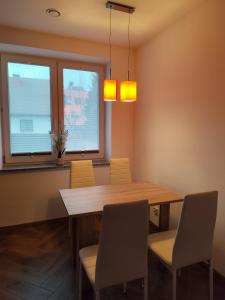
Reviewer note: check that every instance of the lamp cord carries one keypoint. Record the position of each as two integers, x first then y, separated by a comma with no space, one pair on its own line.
128,63
110,46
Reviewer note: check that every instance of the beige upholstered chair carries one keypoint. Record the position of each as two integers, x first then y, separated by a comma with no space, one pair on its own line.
120,171
81,174
122,253
192,242
119,174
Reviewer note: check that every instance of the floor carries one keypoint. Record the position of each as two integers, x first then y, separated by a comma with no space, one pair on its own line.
35,263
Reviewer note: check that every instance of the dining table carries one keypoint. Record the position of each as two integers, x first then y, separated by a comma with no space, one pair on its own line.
84,207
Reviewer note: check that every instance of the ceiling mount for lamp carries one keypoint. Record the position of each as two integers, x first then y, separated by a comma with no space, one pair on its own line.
110,85
128,88
120,7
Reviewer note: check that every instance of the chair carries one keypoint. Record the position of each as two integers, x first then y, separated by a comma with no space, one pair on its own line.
81,174
120,171
192,242
122,253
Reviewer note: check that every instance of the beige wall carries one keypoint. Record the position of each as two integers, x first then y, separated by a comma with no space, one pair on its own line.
180,115
33,196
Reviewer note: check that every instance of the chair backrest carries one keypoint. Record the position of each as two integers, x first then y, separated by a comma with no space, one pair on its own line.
120,171
81,174
195,231
123,247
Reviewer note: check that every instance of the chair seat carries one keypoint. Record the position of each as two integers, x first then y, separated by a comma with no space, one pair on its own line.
88,258
162,244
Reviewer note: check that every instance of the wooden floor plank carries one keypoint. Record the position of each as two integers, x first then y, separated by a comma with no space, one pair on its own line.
35,264
26,290
7,295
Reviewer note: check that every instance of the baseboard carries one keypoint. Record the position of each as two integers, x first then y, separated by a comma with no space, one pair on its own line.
205,265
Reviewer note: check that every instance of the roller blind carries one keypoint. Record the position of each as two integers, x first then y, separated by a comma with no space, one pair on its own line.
29,94
81,109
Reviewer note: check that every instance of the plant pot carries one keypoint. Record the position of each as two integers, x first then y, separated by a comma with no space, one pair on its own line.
60,161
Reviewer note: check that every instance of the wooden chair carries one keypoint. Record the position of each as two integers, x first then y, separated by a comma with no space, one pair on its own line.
122,253
81,174
192,242
120,171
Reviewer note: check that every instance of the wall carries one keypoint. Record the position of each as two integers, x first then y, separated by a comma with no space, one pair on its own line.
180,123
33,196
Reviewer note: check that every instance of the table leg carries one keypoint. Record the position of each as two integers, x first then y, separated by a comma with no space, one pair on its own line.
164,217
74,234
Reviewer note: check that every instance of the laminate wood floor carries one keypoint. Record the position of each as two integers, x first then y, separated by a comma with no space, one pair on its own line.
35,264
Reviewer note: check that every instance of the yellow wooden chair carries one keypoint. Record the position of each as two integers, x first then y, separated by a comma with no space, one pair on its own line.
81,174
120,171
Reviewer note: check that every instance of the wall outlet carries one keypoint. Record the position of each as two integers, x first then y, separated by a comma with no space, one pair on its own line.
156,211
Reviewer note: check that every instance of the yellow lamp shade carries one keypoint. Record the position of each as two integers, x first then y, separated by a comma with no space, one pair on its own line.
128,91
110,90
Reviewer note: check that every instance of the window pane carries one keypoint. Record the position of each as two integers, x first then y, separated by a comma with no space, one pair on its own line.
81,109
29,108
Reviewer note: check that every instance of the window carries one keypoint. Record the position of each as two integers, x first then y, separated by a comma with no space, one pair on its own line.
81,112
26,126
42,95
29,96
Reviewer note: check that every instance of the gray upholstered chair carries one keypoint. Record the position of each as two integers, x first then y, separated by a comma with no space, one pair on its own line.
122,253
193,240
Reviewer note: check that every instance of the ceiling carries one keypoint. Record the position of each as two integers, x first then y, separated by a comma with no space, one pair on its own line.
89,19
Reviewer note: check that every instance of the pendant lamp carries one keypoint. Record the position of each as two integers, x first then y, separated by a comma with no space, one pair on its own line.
110,85
128,88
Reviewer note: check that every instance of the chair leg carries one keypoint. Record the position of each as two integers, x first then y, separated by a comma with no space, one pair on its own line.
179,273
70,227
97,295
146,288
174,284
80,282
125,288
210,279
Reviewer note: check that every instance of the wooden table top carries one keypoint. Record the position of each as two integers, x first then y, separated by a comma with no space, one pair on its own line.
91,200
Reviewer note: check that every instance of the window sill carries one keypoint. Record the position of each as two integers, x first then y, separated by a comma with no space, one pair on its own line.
43,167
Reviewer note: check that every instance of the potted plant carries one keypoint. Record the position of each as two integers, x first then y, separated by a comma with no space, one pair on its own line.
58,144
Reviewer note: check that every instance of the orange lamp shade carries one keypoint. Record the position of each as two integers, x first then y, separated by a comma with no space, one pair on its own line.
128,91
110,90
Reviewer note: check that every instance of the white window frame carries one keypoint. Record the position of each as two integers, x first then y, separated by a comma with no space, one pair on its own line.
57,108
25,158
85,67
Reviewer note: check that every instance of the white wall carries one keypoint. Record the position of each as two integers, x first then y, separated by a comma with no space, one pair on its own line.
180,113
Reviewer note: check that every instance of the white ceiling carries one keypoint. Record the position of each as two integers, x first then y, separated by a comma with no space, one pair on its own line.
89,19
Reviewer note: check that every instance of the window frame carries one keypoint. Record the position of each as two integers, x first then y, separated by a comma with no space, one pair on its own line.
57,107
21,158
74,65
